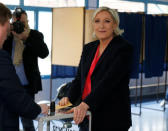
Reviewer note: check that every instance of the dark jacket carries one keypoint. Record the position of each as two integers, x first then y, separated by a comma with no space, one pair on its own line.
109,98
14,101
34,48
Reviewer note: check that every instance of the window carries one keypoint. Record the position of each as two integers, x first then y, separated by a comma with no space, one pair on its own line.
123,6
161,0
157,9
45,26
30,15
10,2
55,3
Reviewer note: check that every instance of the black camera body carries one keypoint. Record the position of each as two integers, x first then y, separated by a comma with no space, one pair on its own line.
18,26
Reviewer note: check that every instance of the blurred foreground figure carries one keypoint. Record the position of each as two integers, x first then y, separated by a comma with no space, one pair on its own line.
14,101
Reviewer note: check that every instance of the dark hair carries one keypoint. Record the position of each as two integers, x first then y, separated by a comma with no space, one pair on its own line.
18,12
5,14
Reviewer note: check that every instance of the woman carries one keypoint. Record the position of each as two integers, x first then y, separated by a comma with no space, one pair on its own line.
103,77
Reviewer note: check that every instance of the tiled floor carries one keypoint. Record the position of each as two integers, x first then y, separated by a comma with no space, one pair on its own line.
149,120
154,119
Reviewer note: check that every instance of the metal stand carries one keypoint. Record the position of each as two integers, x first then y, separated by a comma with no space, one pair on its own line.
166,60
164,106
141,62
157,98
141,92
136,92
157,94
58,116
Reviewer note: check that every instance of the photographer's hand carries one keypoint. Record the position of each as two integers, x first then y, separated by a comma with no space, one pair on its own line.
23,36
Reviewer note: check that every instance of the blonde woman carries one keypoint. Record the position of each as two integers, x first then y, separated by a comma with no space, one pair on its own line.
103,77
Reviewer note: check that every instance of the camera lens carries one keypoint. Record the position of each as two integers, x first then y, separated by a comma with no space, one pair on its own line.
18,27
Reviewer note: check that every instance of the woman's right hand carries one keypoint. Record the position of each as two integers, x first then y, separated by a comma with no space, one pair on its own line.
64,101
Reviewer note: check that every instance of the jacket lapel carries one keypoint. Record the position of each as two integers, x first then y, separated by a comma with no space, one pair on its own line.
107,52
90,56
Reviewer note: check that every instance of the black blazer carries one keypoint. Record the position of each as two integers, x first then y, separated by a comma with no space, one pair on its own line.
109,98
14,101
35,47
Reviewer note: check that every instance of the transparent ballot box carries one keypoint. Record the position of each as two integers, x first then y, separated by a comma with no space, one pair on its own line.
59,122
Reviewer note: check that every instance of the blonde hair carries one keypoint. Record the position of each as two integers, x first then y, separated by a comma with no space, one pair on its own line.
114,15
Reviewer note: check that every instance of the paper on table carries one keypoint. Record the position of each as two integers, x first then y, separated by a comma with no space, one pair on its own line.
61,107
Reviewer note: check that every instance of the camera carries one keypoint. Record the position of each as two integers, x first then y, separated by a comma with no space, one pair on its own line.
18,26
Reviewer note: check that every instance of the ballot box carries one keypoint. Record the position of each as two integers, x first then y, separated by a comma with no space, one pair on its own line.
65,120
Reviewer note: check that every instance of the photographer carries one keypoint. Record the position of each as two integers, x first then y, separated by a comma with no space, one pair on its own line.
25,46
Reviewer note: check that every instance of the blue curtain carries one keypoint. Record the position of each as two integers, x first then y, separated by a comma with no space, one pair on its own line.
59,71
155,45
132,25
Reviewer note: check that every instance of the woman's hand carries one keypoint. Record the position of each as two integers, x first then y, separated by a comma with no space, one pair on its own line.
79,112
64,101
